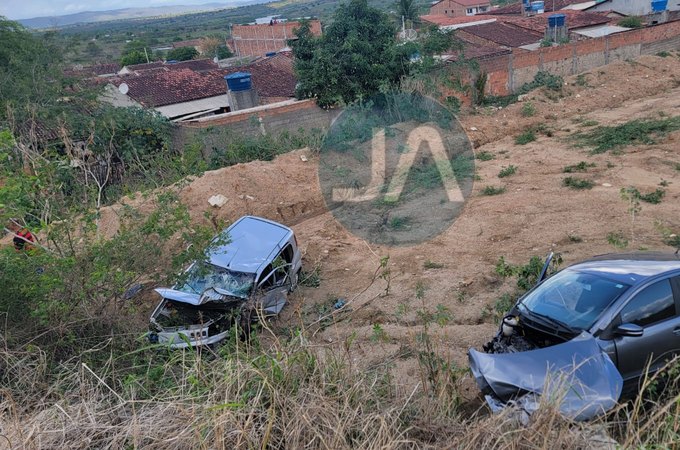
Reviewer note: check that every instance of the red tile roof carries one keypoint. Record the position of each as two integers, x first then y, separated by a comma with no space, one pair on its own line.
442,20
145,66
574,19
194,64
466,3
517,8
271,77
167,87
96,70
504,34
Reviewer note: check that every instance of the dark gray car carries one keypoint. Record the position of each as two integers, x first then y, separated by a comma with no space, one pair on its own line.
628,303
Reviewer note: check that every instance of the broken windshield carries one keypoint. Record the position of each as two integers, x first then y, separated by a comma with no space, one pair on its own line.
574,298
202,276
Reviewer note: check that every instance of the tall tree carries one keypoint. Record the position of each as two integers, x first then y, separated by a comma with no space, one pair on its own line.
182,54
408,9
355,56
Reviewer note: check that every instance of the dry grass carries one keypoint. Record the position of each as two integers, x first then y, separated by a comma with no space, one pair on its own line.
292,395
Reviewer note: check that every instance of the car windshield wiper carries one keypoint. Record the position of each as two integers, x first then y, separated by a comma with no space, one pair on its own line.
551,321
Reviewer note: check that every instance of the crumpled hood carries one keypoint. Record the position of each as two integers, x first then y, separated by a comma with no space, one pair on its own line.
212,294
577,372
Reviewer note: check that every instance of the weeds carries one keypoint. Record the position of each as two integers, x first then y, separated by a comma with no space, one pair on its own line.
493,190
528,110
525,138
485,156
583,166
432,265
311,279
606,138
507,171
577,183
617,239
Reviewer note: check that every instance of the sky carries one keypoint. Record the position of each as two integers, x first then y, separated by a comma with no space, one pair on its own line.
26,9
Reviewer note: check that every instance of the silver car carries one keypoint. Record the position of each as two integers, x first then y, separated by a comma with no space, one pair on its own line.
248,272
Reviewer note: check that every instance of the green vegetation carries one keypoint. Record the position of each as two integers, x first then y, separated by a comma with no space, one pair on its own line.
577,183
654,197
526,276
631,22
582,166
485,156
552,83
528,109
635,132
617,239
493,190
357,55
432,265
182,54
507,171
525,138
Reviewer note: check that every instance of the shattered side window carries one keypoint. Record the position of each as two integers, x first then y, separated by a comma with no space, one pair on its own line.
204,276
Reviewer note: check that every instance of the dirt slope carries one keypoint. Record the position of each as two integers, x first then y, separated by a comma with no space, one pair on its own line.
536,214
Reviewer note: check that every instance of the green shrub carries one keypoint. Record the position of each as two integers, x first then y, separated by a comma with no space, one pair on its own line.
528,110
639,131
583,166
507,171
630,22
485,156
577,183
493,190
525,138
617,239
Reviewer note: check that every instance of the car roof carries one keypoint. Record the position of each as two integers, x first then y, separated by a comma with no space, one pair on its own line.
630,268
251,244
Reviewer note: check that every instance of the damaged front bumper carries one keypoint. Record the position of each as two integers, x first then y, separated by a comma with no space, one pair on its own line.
576,375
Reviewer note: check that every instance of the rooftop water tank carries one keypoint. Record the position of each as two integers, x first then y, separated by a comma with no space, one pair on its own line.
270,54
556,20
238,81
537,7
527,5
659,5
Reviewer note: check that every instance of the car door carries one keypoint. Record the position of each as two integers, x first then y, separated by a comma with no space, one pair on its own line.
655,309
272,291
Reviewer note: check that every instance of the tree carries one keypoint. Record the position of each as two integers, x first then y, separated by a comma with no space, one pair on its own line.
93,49
355,56
135,52
408,9
182,54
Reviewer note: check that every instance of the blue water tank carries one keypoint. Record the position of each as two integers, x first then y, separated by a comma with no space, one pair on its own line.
270,54
537,7
659,5
556,20
238,81
527,5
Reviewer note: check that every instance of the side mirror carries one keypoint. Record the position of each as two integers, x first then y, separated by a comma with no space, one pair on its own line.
629,329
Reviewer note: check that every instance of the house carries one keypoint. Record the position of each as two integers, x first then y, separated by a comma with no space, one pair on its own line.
262,39
185,91
460,8
628,7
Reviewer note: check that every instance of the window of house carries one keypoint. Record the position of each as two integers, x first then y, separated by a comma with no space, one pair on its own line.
654,304
470,11
483,9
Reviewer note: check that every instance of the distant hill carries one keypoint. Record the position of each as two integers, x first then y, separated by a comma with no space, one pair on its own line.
129,13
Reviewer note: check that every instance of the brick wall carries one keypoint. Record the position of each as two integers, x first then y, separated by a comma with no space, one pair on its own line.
258,40
506,73
273,120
